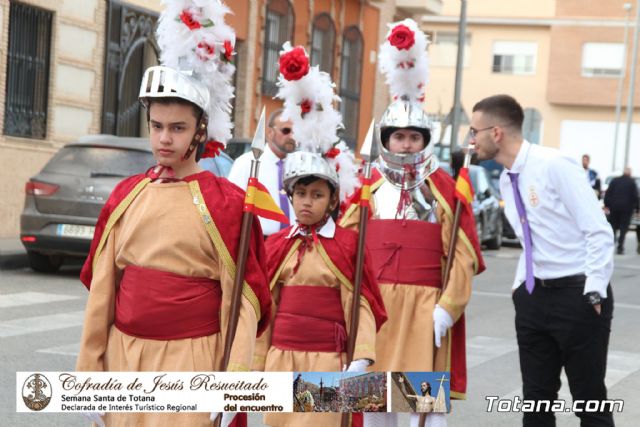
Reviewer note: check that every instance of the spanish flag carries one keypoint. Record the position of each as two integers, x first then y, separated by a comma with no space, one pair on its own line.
464,190
259,202
365,193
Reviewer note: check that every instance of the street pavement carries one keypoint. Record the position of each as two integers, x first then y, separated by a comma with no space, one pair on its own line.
41,319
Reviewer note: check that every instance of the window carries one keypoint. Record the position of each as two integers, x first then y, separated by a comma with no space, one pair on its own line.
130,49
27,83
443,51
278,29
350,73
602,59
323,42
514,57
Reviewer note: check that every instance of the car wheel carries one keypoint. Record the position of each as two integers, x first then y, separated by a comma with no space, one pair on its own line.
496,241
44,263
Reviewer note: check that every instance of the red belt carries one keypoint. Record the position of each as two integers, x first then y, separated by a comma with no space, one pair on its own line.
310,318
159,305
408,252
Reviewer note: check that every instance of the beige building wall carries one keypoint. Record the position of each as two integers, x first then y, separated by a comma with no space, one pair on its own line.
478,79
570,104
508,8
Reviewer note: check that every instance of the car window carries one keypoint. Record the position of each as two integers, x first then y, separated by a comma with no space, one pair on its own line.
473,174
483,182
99,161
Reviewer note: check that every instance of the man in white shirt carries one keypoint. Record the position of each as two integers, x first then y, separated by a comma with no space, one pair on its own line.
280,142
561,292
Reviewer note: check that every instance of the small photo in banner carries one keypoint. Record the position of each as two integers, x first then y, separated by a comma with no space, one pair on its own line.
420,392
340,392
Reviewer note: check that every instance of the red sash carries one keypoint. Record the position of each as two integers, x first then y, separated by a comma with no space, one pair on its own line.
159,305
408,252
310,318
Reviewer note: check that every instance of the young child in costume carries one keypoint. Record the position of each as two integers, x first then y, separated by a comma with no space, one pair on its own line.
311,264
162,263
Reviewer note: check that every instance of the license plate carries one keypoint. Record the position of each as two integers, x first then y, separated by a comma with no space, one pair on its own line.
77,231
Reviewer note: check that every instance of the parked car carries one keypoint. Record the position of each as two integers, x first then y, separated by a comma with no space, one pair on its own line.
487,209
63,201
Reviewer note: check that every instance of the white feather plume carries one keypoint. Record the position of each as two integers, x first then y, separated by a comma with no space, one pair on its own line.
317,130
345,165
188,49
406,71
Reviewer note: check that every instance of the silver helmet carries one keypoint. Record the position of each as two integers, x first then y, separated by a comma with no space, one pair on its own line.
164,82
405,170
301,164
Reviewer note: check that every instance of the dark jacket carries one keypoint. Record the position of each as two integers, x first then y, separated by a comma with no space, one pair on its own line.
622,195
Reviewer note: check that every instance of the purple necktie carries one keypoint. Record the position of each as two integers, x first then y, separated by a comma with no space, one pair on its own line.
526,231
284,201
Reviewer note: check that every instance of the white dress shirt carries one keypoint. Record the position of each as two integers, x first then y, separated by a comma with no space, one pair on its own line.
569,232
268,176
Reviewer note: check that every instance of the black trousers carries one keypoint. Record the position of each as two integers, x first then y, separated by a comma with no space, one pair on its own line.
620,223
557,328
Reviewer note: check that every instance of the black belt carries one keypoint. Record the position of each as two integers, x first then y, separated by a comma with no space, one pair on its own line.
575,281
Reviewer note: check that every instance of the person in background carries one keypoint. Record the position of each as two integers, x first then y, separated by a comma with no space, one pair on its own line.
620,201
592,175
280,142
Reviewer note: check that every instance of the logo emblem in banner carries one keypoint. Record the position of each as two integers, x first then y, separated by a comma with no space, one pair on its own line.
36,392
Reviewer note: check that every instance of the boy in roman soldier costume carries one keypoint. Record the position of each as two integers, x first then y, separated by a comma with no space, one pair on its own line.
412,205
163,258
311,265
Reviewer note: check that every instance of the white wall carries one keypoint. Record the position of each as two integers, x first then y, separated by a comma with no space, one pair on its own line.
578,137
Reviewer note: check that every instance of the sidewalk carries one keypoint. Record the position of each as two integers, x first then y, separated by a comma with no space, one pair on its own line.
13,256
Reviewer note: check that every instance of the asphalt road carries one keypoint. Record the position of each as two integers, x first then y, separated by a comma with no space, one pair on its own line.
41,319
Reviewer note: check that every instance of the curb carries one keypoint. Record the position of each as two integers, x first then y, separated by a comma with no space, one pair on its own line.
14,261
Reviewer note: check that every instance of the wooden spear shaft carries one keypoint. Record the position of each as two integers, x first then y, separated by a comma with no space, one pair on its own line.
236,296
357,282
238,281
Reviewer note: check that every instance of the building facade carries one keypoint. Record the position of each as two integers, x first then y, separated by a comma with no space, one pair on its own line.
562,59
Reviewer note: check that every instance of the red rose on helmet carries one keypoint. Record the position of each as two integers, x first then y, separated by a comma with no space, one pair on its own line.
212,149
332,153
294,64
401,37
205,51
228,50
187,18
305,106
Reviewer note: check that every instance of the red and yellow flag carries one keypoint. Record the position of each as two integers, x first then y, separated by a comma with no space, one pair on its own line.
365,192
464,190
259,202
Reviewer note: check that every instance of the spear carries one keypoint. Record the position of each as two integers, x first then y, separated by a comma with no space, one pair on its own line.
368,153
456,224
452,244
257,147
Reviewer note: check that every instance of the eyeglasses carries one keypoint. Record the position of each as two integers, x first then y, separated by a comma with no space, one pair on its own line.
285,131
474,132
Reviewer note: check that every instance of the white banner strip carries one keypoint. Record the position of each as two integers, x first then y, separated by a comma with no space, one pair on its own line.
154,392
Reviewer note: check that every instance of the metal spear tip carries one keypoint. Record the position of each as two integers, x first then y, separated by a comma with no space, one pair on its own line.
369,150
258,143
